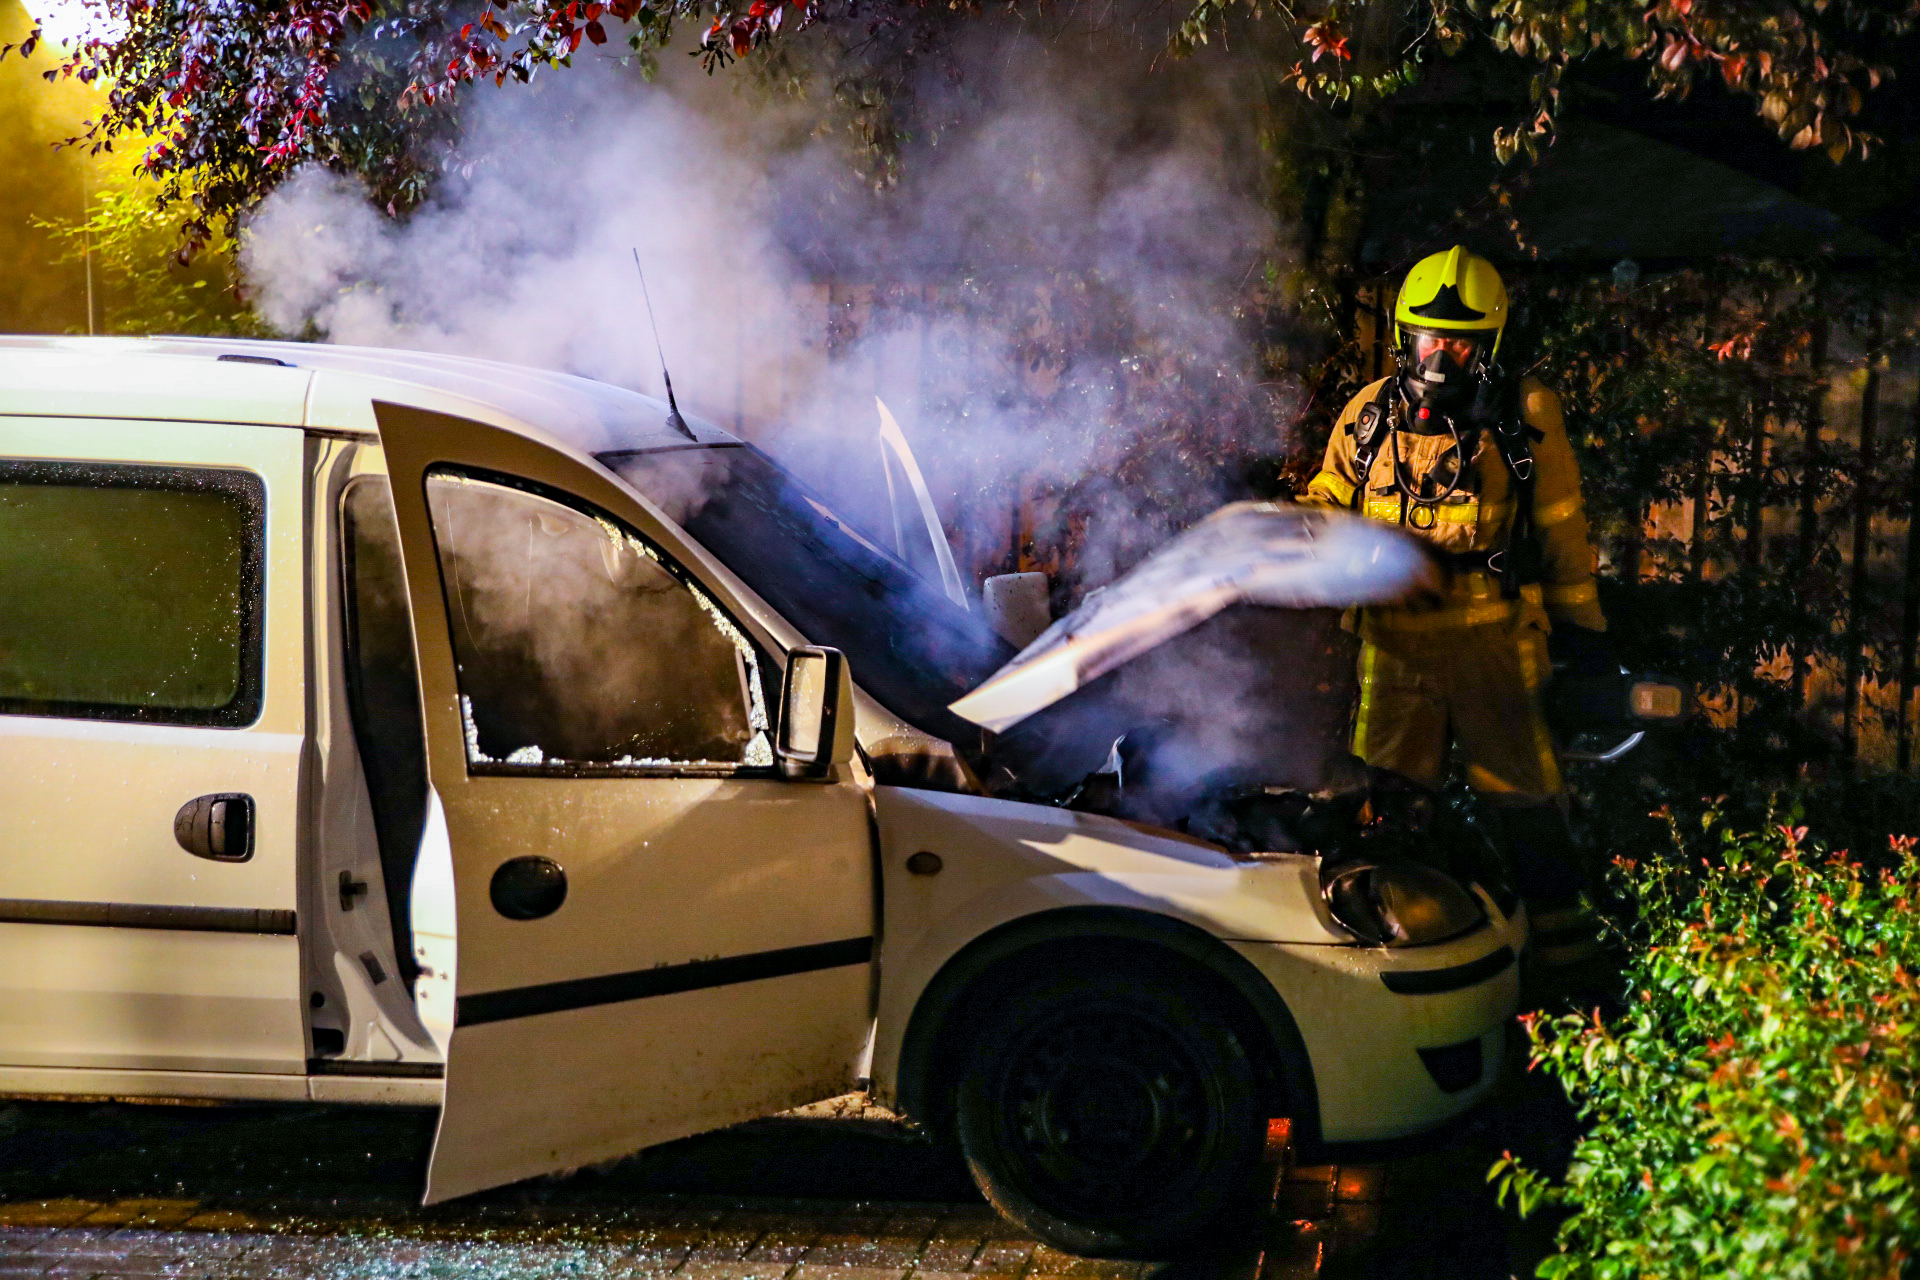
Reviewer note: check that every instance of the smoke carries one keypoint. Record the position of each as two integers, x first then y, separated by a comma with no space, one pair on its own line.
1047,295
1050,288
526,255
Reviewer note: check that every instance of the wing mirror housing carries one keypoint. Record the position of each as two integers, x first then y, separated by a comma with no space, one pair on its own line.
816,714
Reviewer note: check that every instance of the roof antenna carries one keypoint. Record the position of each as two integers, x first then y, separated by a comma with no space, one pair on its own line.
674,419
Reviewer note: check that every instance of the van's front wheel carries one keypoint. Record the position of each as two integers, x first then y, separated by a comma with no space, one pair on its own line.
1113,1113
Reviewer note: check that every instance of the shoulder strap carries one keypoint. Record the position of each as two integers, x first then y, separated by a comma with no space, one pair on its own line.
1369,431
1519,561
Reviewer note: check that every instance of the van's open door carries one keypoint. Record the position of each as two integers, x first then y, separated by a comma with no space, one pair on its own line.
656,934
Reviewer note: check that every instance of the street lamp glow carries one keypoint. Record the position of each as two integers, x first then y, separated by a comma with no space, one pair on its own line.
68,22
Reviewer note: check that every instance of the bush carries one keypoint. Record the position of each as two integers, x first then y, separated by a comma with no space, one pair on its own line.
1751,1110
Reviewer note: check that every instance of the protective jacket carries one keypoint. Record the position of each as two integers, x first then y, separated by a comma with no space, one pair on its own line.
1476,518
1469,669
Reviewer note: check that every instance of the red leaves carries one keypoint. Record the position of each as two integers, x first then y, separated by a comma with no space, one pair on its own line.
248,93
1325,38
1739,347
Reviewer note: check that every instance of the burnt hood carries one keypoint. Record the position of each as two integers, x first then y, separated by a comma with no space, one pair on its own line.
1272,554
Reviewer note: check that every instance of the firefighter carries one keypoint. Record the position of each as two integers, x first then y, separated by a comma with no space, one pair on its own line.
1479,466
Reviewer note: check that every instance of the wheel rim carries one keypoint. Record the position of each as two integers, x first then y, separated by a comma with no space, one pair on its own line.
1103,1111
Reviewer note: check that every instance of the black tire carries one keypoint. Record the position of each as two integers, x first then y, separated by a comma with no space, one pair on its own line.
1111,1110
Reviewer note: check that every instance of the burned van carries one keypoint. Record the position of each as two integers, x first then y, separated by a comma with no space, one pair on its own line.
387,728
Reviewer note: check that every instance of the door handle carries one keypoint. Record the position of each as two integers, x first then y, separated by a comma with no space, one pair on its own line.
217,827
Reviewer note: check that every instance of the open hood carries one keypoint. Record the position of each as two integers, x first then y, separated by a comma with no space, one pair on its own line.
897,455
1263,553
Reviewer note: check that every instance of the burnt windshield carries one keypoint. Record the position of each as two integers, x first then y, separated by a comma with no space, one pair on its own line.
911,647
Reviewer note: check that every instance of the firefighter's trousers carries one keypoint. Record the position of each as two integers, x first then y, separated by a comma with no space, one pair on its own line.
1477,688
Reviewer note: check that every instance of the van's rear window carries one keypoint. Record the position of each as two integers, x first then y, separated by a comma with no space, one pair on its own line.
131,592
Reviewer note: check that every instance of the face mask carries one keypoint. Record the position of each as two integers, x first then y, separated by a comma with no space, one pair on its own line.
1440,383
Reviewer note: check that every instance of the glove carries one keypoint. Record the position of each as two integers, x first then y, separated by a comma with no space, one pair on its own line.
1582,651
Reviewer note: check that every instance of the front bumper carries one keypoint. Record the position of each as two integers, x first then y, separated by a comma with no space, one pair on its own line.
1399,1040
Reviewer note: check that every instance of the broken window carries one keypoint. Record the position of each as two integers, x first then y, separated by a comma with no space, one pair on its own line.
907,644
579,645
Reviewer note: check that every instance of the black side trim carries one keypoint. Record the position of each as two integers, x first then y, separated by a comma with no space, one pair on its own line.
665,980
1454,1067
133,915
378,1070
1431,982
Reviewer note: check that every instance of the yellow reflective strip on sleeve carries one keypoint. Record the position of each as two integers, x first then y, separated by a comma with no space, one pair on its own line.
1554,512
1578,593
1368,657
1484,780
1333,486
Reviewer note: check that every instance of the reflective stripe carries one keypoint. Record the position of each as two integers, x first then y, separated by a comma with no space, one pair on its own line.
1465,615
1484,780
1369,655
1388,509
1333,486
1532,648
1578,593
1555,512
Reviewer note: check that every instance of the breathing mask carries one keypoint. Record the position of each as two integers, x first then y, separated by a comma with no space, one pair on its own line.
1440,374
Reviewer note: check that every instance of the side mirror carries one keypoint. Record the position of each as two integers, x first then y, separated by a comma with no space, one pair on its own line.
816,714
1017,606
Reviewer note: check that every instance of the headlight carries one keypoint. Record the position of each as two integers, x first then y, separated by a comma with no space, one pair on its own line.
1398,903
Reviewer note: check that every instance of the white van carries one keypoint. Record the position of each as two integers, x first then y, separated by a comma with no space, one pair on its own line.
379,727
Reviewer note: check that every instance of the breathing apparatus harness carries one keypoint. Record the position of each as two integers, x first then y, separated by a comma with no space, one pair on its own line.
1496,406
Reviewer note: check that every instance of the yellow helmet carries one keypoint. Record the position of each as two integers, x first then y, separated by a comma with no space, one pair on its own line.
1452,292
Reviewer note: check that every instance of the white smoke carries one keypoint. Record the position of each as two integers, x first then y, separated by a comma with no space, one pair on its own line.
1032,174
526,254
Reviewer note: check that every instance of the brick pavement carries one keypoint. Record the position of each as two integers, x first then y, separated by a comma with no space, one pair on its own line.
693,1240
312,1207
